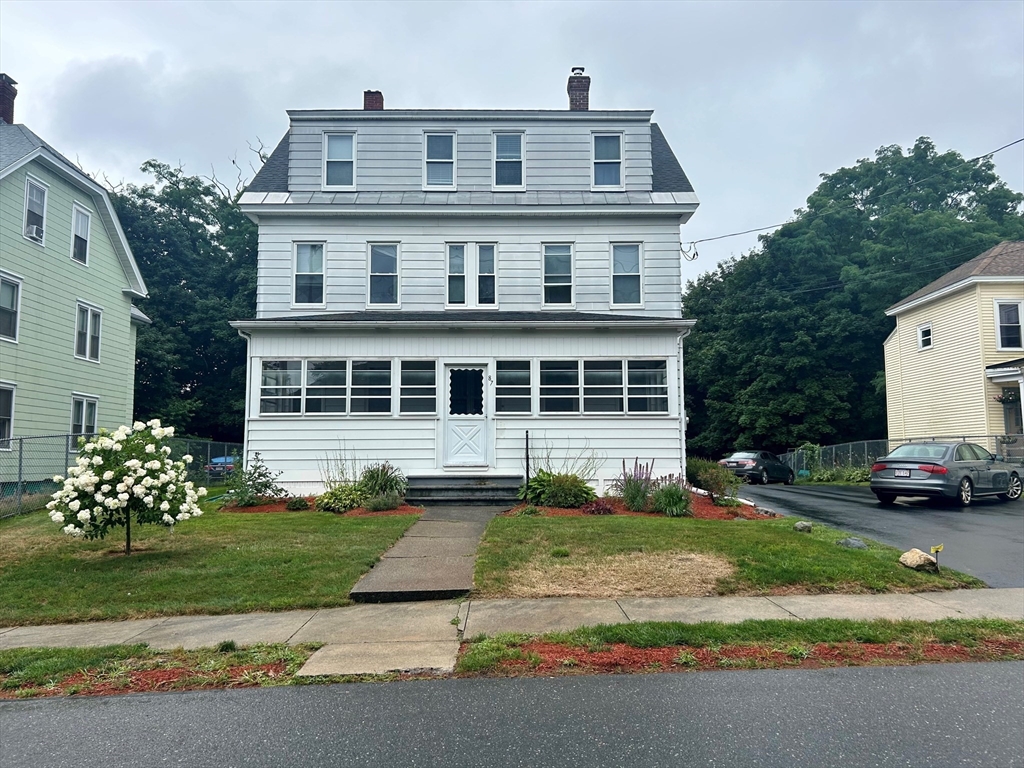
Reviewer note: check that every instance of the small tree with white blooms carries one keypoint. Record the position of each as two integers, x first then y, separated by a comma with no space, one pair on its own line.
122,475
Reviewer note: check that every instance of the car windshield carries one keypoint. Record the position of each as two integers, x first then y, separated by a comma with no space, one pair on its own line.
918,451
744,455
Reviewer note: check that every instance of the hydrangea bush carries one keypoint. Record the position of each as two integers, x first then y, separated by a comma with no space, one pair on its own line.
123,475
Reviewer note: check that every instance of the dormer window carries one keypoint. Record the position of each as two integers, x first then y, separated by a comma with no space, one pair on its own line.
339,160
608,160
508,160
35,210
439,161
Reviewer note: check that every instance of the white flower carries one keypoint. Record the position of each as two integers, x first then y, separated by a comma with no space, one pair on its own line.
58,479
108,475
166,450
138,425
184,516
129,481
154,464
164,506
153,423
121,487
105,443
84,515
105,488
99,497
97,460
187,458
171,488
151,448
90,447
133,463
72,530
116,447
97,510
74,505
148,501
158,432
168,519
198,512
168,431
57,517
139,491
122,497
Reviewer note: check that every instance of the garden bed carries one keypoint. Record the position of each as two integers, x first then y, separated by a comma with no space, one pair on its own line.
279,507
701,508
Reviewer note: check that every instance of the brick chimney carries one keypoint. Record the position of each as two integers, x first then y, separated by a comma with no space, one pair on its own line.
578,90
373,101
7,94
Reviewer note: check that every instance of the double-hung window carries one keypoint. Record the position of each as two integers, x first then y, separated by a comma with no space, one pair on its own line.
608,160
339,160
87,333
558,274
308,288
1008,321
6,416
35,210
439,161
418,393
383,274
626,274
924,336
80,223
10,307
647,388
371,386
471,275
512,392
559,386
508,161
83,419
456,274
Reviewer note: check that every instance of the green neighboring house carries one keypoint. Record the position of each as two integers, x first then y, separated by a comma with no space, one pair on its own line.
67,280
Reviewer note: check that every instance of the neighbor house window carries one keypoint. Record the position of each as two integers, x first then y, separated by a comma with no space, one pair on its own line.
456,274
281,386
418,392
10,307
647,386
6,416
1008,316
924,336
35,210
626,274
80,235
83,419
559,386
512,387
383,274
608,160
339,160
87,333
309,273
325,386
602,386
371,386
439,161
558,274
508,160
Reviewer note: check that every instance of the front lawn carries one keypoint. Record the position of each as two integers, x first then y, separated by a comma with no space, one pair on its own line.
218,563
572,556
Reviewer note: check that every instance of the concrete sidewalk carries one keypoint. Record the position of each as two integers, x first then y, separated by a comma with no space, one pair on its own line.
379,638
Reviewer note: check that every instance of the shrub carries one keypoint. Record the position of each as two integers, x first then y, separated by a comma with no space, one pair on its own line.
533,490
383,502
567,491
341,498
841,475
255,484
598,507
671,499
296,504
634,485
383,479
718,481
694,466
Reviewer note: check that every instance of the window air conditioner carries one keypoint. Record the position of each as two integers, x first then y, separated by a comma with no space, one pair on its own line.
34,232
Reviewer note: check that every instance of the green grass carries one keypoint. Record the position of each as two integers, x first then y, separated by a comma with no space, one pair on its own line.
768,555
218,563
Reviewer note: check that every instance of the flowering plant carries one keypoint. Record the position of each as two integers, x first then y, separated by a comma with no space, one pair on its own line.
124,474
1008,397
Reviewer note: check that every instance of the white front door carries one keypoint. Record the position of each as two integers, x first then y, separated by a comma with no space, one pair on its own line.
466,440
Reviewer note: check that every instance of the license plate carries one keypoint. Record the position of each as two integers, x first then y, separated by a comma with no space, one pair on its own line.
901,473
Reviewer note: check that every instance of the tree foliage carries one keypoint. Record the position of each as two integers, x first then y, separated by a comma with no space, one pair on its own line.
197,254
788,342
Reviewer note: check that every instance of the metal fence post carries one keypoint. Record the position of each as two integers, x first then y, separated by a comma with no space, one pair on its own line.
21,472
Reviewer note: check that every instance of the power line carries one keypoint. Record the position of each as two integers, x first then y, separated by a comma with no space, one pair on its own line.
836,209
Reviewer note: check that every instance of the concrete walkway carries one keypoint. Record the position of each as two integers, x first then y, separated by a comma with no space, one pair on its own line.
434,560
425,636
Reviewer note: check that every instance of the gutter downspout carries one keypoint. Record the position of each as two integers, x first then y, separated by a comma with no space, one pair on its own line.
248,396
682,409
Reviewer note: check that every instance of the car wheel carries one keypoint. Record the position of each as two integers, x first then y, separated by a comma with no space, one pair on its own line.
965,493
886,499
1013,489
764,477
790,478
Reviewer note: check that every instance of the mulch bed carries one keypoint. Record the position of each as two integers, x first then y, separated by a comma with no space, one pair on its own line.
702,508
278,507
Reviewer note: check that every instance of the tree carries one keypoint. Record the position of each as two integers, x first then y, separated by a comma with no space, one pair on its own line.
197,253
788,342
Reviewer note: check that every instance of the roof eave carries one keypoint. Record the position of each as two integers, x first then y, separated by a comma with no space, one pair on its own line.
619,115
625,209
662,323
903,306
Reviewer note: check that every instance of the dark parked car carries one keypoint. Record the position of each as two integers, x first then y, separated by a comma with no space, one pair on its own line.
222,466
954,471
758,467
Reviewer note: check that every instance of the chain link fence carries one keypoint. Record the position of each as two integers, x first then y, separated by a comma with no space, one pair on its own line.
864,453
28,465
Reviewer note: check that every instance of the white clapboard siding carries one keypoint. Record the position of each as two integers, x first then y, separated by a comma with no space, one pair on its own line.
389,155
422,256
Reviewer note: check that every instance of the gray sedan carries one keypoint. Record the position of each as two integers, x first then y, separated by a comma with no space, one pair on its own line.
954,471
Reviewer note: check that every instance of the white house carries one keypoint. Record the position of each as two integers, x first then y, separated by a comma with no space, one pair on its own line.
435,283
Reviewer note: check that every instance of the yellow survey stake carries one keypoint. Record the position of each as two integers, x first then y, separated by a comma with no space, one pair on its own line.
936,549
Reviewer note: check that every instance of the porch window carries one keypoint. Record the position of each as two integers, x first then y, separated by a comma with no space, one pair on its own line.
325,386
281,386
512,387
559,386
371,386
558,274
648,386
602,386
1008,317
418,392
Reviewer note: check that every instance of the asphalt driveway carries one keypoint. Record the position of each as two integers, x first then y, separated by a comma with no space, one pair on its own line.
985,540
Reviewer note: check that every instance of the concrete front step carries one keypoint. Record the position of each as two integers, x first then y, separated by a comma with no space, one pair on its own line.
480,490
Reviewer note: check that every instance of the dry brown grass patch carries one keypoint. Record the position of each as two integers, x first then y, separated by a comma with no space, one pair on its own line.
637,574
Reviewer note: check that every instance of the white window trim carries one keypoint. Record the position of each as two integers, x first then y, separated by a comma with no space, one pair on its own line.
88,336
295,265
30,179
572,277
495,187
13,278
323,163
454,161
472,276
594,187
1020,316
72,435
920,337
14,395
77,206
398,267
640,274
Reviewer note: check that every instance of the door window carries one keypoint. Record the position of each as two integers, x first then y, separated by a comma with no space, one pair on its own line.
466,392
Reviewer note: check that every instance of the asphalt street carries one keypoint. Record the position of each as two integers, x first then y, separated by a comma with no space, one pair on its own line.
985,540
935,715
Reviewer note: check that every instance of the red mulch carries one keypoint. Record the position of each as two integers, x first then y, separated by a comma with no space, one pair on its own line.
545,659
279,507
702,508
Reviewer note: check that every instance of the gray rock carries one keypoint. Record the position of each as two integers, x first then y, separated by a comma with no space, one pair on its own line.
919,561
803,527
852,542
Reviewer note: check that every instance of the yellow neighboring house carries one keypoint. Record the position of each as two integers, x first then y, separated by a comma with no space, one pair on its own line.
954,365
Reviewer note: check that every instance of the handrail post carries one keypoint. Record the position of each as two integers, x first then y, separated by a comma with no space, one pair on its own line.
527,462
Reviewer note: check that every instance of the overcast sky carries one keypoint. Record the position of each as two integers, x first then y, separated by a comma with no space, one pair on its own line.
756,99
